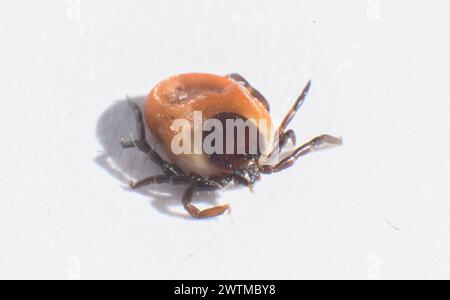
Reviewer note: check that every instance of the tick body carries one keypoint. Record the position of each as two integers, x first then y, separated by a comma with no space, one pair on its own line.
221,99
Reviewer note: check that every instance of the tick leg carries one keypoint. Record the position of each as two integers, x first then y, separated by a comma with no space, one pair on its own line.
287,136
197,213
314,144
254,92
298,103
140,126
215,182
281,132
141,143
159,179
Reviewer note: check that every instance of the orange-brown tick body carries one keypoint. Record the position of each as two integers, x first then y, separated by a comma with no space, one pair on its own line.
180,96
220,98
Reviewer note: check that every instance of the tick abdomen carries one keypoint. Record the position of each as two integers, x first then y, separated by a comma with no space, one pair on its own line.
181,96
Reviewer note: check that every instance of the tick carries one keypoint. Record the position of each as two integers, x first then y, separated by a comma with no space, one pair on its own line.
223,99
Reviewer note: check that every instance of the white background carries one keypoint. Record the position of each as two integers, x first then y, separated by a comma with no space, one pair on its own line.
376,208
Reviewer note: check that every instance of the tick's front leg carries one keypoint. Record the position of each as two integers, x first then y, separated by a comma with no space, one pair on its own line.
197,213
284,139
313,145
281,135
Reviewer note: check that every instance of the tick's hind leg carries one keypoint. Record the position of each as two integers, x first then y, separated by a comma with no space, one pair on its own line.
160,179
141,143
